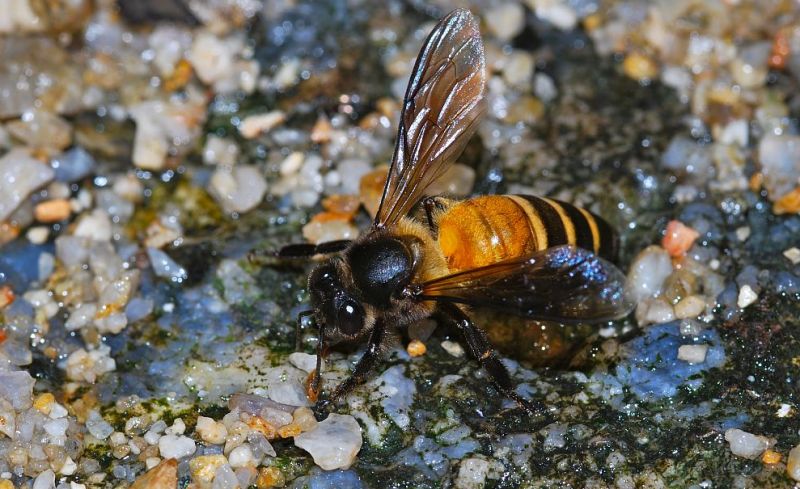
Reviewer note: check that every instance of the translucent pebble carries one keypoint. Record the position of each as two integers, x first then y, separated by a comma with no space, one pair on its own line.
98,427
81,316
303,361
73,165
176,446
45,480
95,225
56,427
554,436
472,473
648,271
560,13
211,431
793,463
505,21
780,163
747,445
164,266
242,456
17,388
692,353
225,478
334,443
20,175
239,189
138,308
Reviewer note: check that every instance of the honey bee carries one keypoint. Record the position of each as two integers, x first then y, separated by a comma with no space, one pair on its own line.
529,256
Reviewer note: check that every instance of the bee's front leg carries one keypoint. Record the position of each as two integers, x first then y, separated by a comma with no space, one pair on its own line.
365,364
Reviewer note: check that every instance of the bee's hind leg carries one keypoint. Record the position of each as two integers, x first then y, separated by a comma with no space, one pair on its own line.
434,206
482,350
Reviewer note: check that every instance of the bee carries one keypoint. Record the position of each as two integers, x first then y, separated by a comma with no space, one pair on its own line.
529,256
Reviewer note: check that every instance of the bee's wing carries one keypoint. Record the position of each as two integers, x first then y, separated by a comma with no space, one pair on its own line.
563,283
442,105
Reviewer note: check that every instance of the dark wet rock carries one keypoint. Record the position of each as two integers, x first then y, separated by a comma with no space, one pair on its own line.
147,11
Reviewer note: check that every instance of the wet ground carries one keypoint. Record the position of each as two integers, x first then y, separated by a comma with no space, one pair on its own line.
139,304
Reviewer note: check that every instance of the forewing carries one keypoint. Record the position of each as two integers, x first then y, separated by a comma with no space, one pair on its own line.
442,105
563,283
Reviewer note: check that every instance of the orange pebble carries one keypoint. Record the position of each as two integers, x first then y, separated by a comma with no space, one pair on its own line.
788,204
770,457
289,430
678,238
259,424
52,210
6,296
416,348
371,188
270,477
341,204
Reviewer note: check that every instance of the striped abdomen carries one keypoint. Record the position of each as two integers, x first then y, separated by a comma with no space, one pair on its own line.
491,228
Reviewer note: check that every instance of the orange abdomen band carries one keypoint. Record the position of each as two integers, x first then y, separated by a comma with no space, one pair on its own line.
488,229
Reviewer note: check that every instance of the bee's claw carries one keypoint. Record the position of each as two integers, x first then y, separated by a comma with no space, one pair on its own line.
322,408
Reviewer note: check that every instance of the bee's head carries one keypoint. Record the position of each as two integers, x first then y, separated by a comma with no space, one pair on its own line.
338,310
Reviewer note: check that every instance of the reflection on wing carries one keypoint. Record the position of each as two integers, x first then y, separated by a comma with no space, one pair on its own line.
563,283
443,103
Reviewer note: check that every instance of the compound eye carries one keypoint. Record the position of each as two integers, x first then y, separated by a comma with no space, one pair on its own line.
350,317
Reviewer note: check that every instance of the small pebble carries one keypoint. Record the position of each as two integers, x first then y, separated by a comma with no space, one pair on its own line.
648,271
292,163
303,361
204,467
640,67
747,296
242,456
747,445
416,348
505,21
334,443
770,457
743,233
453,348
793,255
793,463
690,307
162,476
38,234
95,225
211,431
239,189
20,175
692,353
178,428
678,238
472,473
174,446
783,411
52,210
45,480
255,125
69,467
557,12
164,266
321,232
